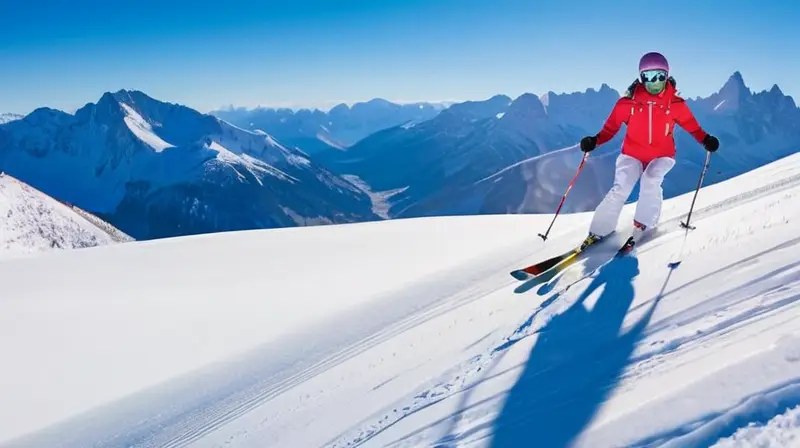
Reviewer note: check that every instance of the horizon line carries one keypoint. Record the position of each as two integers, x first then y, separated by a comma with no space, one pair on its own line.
335,103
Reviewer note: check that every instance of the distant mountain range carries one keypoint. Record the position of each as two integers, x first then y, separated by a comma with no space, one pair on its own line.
517,156
342,126
156,169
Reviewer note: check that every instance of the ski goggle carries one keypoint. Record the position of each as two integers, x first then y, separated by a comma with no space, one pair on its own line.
653,76
654,80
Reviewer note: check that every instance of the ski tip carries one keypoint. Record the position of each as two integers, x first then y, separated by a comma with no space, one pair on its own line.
520,275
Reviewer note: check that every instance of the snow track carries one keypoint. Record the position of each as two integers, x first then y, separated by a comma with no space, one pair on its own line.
422,305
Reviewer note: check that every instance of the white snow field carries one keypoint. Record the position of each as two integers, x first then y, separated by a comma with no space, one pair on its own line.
32,222
411,333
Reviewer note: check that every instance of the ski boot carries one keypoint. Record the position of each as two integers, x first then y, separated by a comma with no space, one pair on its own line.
638,232
589,240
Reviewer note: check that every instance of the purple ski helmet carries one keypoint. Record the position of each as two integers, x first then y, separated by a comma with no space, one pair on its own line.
653,61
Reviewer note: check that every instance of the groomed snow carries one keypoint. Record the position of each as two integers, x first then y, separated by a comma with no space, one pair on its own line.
406,333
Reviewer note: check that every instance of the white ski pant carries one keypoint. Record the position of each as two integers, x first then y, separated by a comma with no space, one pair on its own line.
648,208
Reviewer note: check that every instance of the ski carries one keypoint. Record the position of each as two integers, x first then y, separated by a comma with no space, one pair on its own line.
623,250
555,264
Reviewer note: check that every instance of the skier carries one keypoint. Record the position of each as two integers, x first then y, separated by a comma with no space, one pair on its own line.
651,108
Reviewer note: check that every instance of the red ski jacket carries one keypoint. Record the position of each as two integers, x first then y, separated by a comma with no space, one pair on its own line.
651,123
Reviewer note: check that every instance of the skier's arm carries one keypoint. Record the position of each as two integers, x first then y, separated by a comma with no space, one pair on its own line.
613,123
685,118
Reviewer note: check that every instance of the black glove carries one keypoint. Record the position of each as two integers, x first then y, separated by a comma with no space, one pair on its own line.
588,143
710,143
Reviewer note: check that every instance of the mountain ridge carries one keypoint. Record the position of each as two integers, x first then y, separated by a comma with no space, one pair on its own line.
343,125
160,165
34,223
162,169
754,128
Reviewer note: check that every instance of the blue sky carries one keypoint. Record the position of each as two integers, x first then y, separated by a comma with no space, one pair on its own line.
302,53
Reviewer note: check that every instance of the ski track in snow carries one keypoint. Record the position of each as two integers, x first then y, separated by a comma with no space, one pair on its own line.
628,353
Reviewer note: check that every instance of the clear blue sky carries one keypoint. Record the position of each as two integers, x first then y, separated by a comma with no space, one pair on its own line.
316,53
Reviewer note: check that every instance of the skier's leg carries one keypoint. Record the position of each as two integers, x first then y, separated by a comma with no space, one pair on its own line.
648,209
606,216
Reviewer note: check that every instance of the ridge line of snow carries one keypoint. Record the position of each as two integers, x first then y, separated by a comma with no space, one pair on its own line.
142,129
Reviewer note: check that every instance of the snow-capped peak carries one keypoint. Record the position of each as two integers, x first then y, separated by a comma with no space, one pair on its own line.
143,130
7,117
732,93
158,169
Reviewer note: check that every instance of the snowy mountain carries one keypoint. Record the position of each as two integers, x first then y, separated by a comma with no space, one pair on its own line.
6,117
445,156
754,129
342,126
521,160
33,223
156,169
413,334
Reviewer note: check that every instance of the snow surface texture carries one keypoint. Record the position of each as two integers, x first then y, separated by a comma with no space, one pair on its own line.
32,222
781,431
411,333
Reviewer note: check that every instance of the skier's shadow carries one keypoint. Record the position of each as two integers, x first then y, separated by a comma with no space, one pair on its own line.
574,365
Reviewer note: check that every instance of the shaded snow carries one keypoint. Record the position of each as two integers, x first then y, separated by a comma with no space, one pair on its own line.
328,141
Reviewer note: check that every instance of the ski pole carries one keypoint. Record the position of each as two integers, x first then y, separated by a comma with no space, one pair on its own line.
563,198
686,225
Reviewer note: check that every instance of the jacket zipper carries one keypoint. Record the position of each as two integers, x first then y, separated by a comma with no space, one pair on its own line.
650,122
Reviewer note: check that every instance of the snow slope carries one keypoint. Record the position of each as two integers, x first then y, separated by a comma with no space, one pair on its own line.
410,332
32,222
